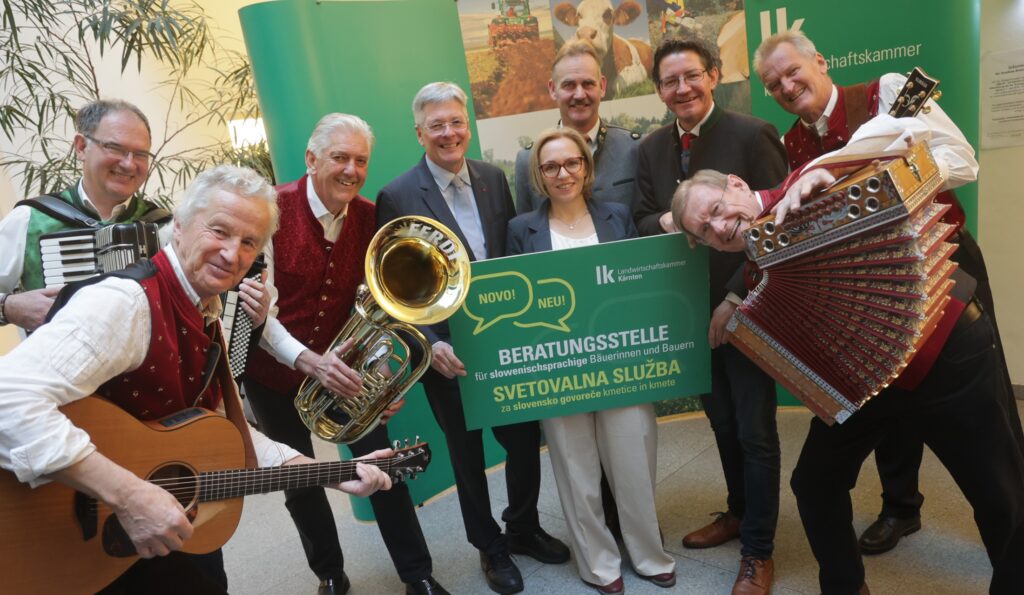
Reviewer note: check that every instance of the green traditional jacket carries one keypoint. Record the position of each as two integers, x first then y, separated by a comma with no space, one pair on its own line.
40,224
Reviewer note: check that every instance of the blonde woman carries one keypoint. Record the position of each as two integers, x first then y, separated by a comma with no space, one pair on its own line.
622,441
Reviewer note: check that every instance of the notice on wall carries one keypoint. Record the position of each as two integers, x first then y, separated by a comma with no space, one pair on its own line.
1002,99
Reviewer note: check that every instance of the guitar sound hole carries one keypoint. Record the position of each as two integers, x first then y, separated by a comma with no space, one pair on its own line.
181,481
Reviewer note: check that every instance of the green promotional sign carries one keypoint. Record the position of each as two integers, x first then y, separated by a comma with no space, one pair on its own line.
571,331
862,41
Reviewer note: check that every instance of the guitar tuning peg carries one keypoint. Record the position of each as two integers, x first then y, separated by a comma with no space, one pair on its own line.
407,442
936,95
419,470
926,109
396,444
417,439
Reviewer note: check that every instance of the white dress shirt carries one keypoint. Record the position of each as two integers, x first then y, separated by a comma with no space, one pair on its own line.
104,331
276,339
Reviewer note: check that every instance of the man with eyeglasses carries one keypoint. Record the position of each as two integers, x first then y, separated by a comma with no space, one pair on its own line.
578,87
956,408
742,403
112,143
471,198
796,75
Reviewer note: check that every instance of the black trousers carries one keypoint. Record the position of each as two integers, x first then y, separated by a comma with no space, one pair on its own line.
310,510
178,572
959,412
741,409
898,455
465,447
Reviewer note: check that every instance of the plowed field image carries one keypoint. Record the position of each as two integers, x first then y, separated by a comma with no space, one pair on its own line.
511,79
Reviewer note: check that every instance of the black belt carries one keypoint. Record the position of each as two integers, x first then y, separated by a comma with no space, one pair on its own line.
969,316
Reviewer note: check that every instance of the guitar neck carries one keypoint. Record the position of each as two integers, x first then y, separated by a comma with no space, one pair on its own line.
234,483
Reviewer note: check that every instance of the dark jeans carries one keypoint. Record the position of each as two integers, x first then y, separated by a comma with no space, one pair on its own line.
465,447
741,409
898,455
310,510
959,412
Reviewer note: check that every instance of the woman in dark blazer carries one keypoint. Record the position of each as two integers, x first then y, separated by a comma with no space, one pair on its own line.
622,441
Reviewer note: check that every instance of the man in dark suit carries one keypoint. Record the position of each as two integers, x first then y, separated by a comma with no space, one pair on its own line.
471,198
741,406
577,86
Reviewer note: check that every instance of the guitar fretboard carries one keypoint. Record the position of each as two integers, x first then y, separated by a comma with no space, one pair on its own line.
222,485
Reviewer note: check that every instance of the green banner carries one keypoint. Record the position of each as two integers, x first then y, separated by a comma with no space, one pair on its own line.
863,41
571,331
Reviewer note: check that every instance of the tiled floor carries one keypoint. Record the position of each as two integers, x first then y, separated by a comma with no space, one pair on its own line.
945,557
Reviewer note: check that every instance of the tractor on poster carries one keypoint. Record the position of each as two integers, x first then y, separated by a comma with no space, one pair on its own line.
513,23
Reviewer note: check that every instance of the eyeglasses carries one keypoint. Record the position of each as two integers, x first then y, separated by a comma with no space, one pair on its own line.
714,213
116,150
572,165
457,125
671,83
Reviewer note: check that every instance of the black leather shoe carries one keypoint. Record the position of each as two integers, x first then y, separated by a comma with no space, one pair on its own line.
427,586
538,545
501,573
334,586
885,533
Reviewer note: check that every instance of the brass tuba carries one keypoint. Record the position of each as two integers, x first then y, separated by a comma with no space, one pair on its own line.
417,272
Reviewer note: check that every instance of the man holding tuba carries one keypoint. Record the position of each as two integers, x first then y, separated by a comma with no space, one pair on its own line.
315,264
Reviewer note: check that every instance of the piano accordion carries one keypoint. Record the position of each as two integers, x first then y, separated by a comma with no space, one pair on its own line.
853,283
238,325
78,254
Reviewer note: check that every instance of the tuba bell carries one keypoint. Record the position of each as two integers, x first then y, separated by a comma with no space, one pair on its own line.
417,272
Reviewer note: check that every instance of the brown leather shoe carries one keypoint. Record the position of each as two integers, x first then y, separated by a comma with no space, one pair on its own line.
616,587
755,577
724,528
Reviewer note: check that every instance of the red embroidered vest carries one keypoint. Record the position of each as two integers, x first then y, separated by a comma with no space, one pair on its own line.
170,379
316,280
803,143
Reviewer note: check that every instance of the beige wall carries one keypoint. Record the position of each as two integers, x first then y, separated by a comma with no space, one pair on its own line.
1001,199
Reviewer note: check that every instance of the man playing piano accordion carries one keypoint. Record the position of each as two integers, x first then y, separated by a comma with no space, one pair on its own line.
112,142
957,408
797,76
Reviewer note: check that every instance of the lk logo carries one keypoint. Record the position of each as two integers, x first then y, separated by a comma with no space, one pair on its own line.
605,275
780,23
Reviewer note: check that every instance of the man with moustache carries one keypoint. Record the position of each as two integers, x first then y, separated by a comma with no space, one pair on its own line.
957,408
472,199
315,264
578,87
112,142
141,339
742,403
797,76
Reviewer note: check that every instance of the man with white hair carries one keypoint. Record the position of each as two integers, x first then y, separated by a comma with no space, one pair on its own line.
957,409
141,339
472,199
315,264
797,76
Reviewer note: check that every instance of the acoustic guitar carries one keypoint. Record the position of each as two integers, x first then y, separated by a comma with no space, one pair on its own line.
58,540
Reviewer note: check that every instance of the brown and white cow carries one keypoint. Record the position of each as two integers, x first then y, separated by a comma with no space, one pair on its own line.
624,62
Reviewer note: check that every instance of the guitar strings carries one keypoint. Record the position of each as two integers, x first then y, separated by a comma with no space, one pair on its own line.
227,481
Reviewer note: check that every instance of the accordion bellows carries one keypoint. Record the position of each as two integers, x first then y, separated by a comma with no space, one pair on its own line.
853,283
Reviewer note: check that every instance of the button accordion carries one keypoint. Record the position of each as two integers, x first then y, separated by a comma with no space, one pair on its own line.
854,282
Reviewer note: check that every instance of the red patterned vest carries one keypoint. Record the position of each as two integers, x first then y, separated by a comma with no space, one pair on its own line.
856,104
170,379
316,280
